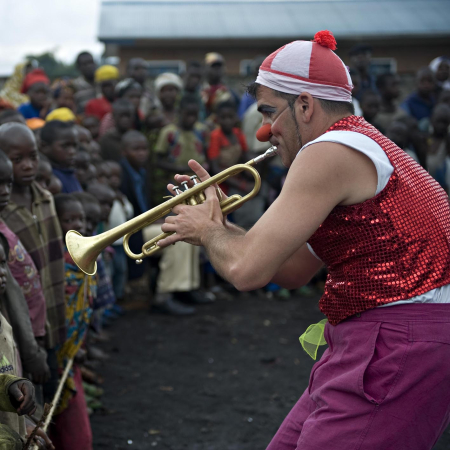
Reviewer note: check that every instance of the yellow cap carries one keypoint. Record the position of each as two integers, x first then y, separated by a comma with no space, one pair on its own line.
62,114
105,73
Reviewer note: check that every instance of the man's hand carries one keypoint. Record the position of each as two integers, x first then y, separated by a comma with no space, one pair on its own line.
189,225
21,394
192,223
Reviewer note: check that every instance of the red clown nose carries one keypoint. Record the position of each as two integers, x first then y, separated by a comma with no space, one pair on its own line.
264,133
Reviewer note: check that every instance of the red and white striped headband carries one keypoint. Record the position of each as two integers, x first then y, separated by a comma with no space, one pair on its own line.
304,66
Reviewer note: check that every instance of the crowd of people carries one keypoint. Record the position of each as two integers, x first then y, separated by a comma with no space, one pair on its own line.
90,153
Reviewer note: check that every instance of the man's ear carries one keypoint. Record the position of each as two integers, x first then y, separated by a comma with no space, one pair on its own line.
304,106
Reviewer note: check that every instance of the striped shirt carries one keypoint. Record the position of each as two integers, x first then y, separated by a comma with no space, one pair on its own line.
41,235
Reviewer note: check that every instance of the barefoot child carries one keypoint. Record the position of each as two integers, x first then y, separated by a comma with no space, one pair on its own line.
31,215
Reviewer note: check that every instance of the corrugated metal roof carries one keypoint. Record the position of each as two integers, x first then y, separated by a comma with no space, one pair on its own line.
233,19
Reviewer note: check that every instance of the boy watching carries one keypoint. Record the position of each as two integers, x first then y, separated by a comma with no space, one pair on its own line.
134,187
72,420
32,217
370,106
106,78
37,86
177,144
388,87
59,142
122,210
420,104
28,311
123,113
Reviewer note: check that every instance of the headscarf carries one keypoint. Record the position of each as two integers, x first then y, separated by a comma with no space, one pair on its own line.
168,79
305,66
62,114
125,85
11,89
434,66
33,77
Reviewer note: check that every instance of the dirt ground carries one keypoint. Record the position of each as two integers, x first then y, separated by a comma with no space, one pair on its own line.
223,379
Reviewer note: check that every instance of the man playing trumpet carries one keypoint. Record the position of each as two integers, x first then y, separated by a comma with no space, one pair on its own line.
355,202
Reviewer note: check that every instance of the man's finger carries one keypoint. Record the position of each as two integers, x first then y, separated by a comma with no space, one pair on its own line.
170,219
211,193
168,227
169,240
199,170
180,178
179,208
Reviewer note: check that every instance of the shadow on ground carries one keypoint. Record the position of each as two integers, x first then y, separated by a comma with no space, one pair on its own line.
223,379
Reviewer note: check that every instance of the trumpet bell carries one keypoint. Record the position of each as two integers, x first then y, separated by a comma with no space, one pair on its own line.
83,253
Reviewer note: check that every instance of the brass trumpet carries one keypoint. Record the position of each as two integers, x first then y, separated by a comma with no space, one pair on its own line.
85,250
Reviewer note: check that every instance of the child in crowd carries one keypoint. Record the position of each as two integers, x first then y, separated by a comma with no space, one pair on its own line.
97,203
72,428
37,86
227,143
227,147
168,87
398,133
121,211
439,141
106,78
388,85
105,196
370,106
134,186
17,394
123,113
28,312
63,95
92,124
11,115
83,171
59,142
44,173
32,217
131,90
92,211
420,104
177,144
46,178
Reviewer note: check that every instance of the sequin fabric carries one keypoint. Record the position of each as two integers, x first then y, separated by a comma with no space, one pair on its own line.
391,247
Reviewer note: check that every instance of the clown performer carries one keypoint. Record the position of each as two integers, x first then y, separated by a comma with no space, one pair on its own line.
358,204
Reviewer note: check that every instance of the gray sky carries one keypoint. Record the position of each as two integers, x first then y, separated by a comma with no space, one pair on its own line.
30,26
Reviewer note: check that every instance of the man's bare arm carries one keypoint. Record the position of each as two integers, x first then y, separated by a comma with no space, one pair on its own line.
321,177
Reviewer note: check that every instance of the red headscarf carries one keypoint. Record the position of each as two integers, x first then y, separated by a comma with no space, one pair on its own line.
35,76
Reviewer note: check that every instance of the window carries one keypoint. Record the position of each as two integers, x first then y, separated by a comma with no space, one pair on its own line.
156,68
383,65
246,67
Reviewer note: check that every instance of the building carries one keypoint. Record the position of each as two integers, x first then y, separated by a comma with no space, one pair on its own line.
405,34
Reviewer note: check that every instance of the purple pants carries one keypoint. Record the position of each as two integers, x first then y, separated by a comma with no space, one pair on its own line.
382,384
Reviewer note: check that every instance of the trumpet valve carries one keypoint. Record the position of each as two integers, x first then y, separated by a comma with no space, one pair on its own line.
201,197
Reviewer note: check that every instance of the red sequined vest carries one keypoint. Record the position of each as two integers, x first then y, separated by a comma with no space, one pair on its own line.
391,247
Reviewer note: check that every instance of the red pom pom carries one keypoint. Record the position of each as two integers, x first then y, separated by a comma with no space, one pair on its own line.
326,39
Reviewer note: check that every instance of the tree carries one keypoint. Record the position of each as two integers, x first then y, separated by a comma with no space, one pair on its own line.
54,68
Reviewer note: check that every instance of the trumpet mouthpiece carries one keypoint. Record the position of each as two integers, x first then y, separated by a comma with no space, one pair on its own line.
272,151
